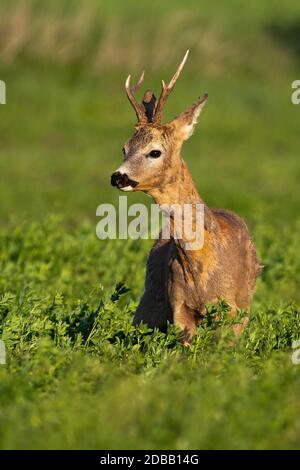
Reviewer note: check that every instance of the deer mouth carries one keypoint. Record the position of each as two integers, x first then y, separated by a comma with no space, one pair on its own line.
122,181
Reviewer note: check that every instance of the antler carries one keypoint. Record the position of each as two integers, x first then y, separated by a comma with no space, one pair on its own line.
166,90
130,91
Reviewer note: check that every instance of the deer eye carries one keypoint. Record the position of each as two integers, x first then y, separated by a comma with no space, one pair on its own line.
124,151
155,153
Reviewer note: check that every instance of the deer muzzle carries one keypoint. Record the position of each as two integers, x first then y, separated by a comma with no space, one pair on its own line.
122,181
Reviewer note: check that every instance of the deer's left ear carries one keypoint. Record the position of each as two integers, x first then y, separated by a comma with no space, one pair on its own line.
187,120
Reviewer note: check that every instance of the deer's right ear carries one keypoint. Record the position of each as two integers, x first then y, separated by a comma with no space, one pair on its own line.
186,121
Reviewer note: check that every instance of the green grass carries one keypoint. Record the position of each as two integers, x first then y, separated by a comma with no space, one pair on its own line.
78,374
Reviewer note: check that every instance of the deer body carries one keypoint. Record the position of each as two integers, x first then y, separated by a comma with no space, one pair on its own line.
180,281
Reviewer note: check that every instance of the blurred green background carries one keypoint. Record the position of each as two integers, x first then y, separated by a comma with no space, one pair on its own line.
67,116
61,136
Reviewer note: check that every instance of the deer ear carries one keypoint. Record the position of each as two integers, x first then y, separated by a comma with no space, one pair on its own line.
187,120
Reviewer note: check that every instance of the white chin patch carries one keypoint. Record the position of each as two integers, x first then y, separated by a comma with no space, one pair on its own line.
127,188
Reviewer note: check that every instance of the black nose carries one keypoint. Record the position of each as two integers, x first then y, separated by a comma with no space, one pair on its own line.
119,180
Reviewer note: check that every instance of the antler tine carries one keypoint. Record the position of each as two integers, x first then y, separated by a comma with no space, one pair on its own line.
139,83
166,89
178,72
130,91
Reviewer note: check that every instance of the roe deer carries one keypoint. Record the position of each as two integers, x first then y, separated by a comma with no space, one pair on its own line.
180,282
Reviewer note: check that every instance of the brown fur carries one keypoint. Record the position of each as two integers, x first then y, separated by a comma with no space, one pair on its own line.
180,282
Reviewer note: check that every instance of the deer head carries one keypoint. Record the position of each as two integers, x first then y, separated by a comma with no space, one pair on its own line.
153,152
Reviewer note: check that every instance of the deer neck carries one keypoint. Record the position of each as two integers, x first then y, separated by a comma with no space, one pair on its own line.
180,192
179,188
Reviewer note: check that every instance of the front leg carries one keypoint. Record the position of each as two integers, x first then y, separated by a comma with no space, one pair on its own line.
184,318
238,328
153,310
154,307
183,315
